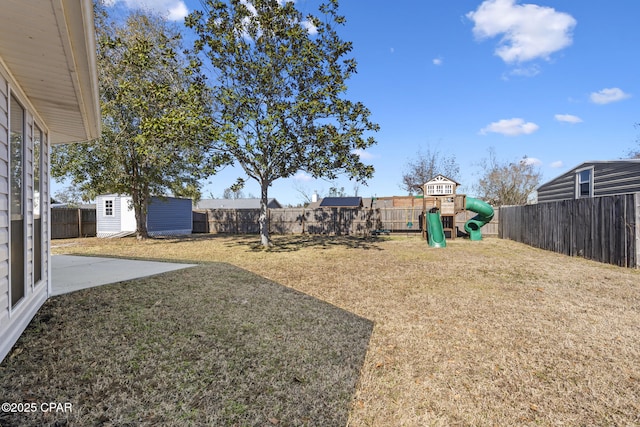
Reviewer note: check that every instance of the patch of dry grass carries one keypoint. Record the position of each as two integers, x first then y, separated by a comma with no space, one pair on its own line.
479,333
211,345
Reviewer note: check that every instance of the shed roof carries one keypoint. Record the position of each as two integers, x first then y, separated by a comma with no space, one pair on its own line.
49,48
341,202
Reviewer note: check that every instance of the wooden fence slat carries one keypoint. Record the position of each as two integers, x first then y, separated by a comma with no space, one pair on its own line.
69,223
604,229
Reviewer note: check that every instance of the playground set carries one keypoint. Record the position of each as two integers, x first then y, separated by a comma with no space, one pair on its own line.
441,204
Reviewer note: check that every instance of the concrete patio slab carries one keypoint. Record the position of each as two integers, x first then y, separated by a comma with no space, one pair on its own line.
71,272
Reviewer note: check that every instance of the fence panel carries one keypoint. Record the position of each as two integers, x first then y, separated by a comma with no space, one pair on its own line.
200,223
602,229
340,221
68,223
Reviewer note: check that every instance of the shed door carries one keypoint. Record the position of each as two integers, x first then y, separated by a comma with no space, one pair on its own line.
127,215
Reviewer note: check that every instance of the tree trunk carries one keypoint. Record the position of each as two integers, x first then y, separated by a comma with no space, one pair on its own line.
140,211
263,219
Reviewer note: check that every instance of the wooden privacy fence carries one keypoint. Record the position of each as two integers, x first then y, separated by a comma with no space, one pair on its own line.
339,221
67,223
605,229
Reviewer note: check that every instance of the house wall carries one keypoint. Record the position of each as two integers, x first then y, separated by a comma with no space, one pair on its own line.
13,320
171,216
609,178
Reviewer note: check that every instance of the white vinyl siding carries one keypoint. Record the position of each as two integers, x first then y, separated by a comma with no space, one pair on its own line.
15,318
4,205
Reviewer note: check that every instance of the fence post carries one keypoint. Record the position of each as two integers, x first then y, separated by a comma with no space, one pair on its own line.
637,221
79,223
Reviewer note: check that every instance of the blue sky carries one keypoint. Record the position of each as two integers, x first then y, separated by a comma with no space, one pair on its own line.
555,80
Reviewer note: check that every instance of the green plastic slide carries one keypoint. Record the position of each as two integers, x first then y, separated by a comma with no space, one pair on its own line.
485,215
435,231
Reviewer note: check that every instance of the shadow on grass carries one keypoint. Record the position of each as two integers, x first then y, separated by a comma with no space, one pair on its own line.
287,243
209,345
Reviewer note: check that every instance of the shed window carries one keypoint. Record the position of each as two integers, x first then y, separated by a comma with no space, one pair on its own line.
108,207
584,183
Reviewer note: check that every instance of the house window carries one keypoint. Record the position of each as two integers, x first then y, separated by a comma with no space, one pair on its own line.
584,183
16,199
38,141
108,207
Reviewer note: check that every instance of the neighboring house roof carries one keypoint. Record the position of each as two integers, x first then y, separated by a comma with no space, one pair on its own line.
55,63
341,202
235,204
614,163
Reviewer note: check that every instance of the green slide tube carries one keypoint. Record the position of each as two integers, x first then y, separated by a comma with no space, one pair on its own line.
435,231
485,215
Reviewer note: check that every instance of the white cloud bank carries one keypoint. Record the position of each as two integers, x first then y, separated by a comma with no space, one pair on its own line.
531,161
568,118
302,176
528,31
310,27
510,127
173,10
557,164
364,155
606,96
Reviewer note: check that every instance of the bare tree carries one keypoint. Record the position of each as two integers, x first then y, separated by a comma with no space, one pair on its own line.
508,183
635,153
425,166
304,193
70,195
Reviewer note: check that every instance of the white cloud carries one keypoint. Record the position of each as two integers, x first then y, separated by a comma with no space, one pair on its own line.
530,71
568,118
178,13
511,127
437,61
606,96
173,10
312,29
363,154
557,164
528,31
531,161
302,176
